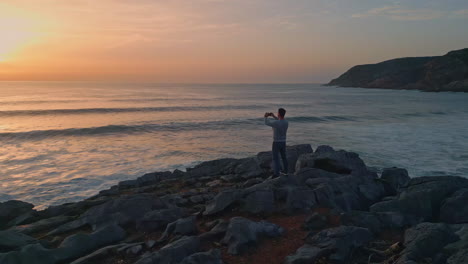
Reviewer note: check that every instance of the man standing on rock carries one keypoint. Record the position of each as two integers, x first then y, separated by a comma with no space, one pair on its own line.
280,127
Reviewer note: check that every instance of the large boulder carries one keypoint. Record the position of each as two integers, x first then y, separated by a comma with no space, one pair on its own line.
423,197
362,219
210,257
72,247
243,233
11,240
183,226
259,202
425,241
341,241
307,254
43,224
325,158
147,179
395,179
124,210
222,201
80,244
300,199
458,251
174,252
310,173
158,219
246,168
217,232
455,208
12,209
265,158
34,253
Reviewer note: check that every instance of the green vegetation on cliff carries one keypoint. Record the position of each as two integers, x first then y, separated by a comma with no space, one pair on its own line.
434,74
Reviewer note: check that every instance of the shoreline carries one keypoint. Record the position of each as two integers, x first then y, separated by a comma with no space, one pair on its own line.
331,207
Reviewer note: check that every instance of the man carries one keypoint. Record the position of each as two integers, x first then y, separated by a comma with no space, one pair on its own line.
280,127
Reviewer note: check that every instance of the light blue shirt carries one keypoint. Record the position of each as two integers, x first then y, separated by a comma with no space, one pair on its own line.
280,128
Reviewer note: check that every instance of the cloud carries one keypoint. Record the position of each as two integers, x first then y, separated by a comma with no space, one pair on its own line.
400,13
461,13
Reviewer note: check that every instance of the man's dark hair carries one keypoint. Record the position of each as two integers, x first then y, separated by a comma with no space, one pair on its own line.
282,112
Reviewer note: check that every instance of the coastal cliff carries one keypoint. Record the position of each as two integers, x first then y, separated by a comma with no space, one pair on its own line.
331,209
432,74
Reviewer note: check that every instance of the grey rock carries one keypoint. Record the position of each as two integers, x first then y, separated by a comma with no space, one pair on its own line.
423,196
341,241
455,208
396,179
147,179
222,201
425,240
243,233
174,252
99,254
197,199
307,254
259,202
134,250
72,209
252,182
34,253
217,232
10,240
214,183
78,245
300,199
460,256
246,168
292,153
10,210
183,226
341,162
308,174
158,219
210,257
72,247
25,218
123,210
43,225
316,221
231,178
396,220
362,219
150,243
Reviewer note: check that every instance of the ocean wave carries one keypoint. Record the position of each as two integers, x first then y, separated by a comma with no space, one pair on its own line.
149,128
123,110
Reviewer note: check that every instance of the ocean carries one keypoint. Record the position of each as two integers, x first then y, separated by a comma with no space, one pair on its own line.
65,141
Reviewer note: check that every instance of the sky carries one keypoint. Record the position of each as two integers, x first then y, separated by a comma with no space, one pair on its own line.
219,41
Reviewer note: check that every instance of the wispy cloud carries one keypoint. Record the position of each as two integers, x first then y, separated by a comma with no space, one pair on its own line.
397,12
461,13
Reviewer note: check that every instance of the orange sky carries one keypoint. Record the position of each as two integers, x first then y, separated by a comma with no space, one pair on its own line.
213,40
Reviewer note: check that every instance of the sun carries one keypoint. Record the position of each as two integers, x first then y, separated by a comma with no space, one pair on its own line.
16,31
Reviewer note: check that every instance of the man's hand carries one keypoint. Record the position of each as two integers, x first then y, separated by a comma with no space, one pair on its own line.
267,114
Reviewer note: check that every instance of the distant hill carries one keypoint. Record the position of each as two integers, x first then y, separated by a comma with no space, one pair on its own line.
434,74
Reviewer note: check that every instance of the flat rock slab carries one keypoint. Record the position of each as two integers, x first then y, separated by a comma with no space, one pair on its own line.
173,253
243,233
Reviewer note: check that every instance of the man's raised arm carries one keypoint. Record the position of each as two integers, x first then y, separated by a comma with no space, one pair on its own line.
268,122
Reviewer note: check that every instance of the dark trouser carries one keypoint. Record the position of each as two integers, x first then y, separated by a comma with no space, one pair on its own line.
279,148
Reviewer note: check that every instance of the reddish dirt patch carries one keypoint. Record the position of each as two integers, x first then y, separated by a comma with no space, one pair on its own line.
274,250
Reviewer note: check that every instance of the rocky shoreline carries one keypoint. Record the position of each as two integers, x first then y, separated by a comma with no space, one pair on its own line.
331,209
447,73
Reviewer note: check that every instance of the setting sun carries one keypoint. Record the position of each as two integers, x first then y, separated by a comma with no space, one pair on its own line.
16,31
